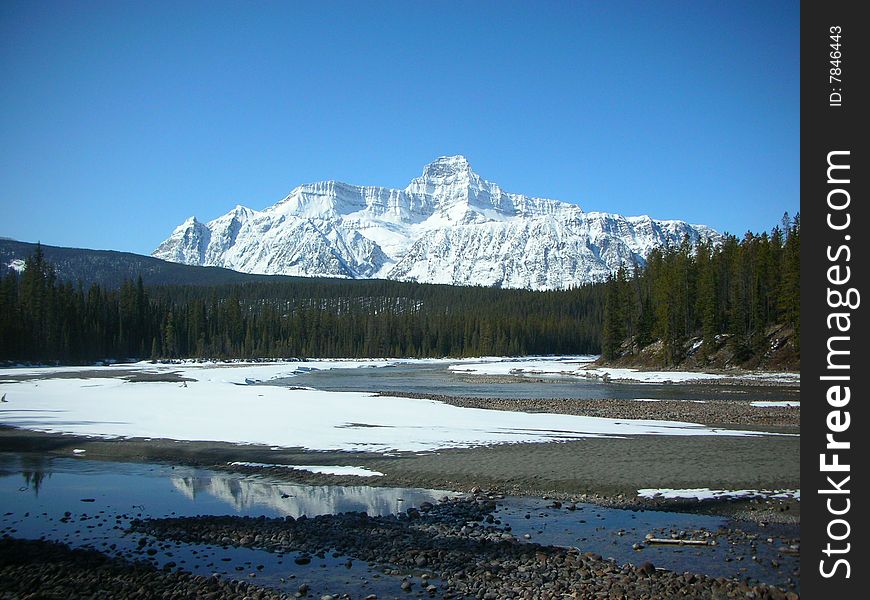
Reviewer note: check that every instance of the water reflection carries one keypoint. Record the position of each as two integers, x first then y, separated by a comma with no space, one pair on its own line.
33,480
34,468
161,489
247,494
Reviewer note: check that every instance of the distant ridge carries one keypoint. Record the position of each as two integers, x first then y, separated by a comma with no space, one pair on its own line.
109,268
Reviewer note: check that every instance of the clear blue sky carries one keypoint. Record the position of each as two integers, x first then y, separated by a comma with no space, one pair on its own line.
119,119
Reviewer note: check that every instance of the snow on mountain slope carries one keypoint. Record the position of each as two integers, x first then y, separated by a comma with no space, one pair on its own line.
448,226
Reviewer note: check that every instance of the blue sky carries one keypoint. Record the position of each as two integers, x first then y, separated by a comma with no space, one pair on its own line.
118,120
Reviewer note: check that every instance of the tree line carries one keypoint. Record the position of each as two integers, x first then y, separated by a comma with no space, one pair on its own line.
732,291
735,290
45,319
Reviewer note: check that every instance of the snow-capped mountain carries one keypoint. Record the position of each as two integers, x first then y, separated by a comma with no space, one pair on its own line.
448,226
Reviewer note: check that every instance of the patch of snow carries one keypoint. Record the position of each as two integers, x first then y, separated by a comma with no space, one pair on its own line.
578,366
784,377
323,469
707,493
636,375
17,265
556,365
648,376
775,403
238,372
217,406
251,373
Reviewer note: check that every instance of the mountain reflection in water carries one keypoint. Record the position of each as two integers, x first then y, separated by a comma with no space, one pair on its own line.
34,481
296,500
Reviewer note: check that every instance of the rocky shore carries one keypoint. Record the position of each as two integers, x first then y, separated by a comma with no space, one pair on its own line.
35,569
455,549
712,412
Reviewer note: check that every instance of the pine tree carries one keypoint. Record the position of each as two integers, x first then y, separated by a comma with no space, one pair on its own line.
614,329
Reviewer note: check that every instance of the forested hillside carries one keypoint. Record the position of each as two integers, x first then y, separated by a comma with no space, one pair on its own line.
109,268
45,319
735,304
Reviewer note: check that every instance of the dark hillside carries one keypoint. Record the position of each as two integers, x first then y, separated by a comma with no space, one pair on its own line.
109,269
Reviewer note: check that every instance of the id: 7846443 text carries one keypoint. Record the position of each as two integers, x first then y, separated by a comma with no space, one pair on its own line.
835,73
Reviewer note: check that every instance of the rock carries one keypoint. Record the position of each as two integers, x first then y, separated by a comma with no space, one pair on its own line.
647,569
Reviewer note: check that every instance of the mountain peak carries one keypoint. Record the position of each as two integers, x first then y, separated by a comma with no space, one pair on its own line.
241,211
448,225
447,167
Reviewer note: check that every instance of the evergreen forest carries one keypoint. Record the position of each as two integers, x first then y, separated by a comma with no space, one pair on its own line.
732,293
45,319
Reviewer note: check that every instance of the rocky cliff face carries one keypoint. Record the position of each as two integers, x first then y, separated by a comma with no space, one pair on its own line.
447,226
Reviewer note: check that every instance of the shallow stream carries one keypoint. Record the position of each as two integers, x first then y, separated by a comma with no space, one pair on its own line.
88,503
438,379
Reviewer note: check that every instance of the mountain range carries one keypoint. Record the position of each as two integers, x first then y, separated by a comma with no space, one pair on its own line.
447,226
